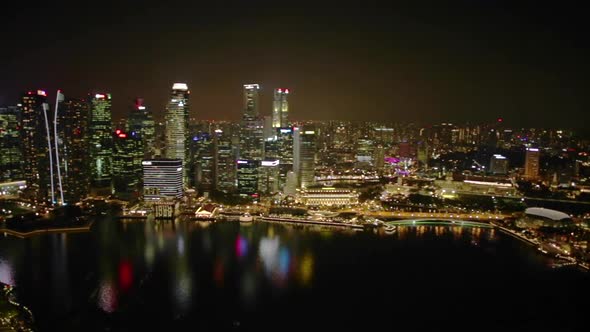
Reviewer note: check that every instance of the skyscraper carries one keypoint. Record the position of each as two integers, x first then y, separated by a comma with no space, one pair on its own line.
225,165
251,140
141,122
11,158
74,160
280,108
127,167
247,174
304,146
35,149
531,164
100,139
268,177
177,125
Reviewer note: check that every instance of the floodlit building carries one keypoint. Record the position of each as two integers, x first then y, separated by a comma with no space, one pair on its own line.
328,196
162,179
177,129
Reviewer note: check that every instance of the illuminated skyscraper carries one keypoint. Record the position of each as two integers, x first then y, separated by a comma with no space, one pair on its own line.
127,167
247,174
100,138
531,164
143,125
35,148
202,162
280,108
304,146
74,160
268,177
162,179
177,125
11,158
225,163
251,140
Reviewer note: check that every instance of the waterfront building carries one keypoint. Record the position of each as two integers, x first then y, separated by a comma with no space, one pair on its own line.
34,130
75,163
162,179
328,196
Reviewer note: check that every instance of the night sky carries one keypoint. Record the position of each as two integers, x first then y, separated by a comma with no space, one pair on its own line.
468,61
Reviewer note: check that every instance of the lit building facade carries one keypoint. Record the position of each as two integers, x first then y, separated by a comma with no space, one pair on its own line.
177,125
141,122
127,164
329,197
268,177
251,136
11,158
162,179
225,163
304,149
247,176
100,139
531,164
75,164
280,108
35,148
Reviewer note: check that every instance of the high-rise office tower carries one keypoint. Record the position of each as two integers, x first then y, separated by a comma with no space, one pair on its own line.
225,163
251,140
284,144
74,160
202,162
268,177
247,175
304,148
162,179
177,125
100,139
127,167
34,131
11,158
141,122
531,164
280,108
498,164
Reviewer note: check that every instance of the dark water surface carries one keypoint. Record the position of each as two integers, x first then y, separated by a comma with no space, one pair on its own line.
227,276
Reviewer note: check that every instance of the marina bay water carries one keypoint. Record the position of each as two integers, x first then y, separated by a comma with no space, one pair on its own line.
166,275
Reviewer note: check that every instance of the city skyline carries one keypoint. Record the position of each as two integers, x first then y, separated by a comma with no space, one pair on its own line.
465,62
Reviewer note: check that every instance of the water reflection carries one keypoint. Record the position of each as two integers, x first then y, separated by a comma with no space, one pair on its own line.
6,272
107,296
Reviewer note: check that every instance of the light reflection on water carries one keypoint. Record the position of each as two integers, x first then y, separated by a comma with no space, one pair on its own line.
183,268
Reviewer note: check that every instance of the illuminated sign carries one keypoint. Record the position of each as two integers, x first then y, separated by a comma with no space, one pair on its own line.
242,161
251,86
141,108
41,93
122,135
118,131
146,163
99,96
533,149
309,132
179,86
284,131
269,162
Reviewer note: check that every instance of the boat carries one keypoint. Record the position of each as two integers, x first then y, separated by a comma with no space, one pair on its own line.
246,217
